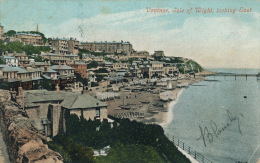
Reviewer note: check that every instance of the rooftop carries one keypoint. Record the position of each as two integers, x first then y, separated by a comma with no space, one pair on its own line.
9,57
7,68
27,34
61,67
68,100
105,42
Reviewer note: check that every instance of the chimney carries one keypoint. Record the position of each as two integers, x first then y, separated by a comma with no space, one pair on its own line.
20,97
57,88
85,90
20,91
45,68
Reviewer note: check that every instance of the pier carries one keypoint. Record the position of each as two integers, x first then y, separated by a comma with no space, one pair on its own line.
257,76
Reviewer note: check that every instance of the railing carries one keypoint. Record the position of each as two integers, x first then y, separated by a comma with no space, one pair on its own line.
129,115
196,155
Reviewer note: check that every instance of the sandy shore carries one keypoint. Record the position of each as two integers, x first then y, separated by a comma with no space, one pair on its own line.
150,104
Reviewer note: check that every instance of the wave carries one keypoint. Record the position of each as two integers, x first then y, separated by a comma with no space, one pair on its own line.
170,115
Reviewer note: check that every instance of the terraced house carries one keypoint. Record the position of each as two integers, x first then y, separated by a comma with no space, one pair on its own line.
30,38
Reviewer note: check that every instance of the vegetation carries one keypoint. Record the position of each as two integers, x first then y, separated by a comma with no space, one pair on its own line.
101,70
130,141
108,59
130,154
192,65
20,47
3,85
100,78
38,59
10,33
92,64
84,81
130,60
158,58
181,68
46,84
2,61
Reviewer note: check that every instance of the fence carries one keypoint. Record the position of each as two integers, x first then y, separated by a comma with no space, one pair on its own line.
129,115
196,155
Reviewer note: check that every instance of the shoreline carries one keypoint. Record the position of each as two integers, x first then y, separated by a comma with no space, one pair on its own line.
170,115
153,102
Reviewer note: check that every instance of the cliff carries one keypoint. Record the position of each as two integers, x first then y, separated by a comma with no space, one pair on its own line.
24,143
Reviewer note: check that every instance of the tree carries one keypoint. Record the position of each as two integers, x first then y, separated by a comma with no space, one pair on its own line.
101,70
2,61
108,59
10,33
46,84
84,81
93,64
20,47
38,59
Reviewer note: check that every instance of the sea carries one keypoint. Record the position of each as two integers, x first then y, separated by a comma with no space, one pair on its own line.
220,117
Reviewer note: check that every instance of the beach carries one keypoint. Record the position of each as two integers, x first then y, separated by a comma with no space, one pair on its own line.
148,103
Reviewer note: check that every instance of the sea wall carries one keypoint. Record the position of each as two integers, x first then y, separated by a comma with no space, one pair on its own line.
24,142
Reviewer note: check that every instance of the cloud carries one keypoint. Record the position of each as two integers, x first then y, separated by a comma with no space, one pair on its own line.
222,41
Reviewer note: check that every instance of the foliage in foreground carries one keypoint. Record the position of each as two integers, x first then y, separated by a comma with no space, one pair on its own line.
123,137
20,47
130,154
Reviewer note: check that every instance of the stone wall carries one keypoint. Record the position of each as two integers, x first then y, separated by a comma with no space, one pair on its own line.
23,140
56,119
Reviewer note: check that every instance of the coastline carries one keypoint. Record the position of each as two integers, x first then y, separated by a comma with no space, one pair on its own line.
169,116
151,104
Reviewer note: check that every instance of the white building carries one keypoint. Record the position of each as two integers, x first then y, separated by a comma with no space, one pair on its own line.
11,61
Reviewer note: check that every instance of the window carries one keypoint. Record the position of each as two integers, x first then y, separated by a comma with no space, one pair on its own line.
97,112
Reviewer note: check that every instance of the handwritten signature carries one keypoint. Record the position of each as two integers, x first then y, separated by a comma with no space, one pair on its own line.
208,134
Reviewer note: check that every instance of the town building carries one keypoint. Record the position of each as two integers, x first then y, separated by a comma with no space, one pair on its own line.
152,69
60,58
64,46
65,75
16,76
158,53
23,59
63,70
51,107
49,73
140,54
80,68
39,64
11,61
170,69
30,38
12,39
120,65
1,31
108,47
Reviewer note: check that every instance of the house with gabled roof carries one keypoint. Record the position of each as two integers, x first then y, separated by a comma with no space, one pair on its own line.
49,107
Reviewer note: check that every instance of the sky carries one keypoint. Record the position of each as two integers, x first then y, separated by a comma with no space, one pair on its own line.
214,40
